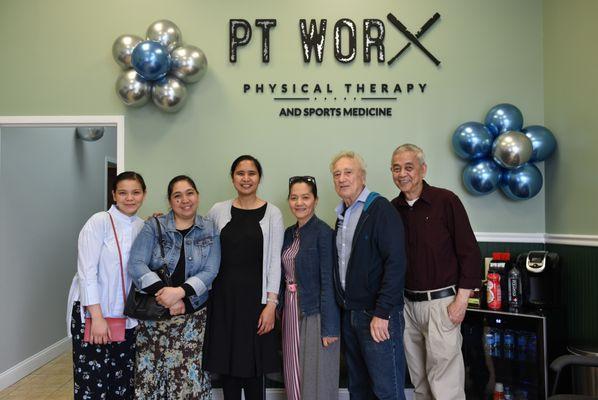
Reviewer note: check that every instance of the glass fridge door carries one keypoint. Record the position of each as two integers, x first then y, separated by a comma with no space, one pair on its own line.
505,349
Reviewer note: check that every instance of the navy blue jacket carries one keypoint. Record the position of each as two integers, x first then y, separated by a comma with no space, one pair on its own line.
376,270
313,273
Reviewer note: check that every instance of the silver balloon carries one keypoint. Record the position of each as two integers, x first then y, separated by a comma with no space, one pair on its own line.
512,149
89,133
169,94
189,63
132,90
165,32
123,47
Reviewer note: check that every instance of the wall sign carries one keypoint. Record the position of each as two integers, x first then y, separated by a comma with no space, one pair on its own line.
313,38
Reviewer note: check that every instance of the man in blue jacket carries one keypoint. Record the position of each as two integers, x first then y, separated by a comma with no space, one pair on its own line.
369,277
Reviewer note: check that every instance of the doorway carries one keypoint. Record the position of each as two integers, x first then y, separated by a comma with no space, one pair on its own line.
50,184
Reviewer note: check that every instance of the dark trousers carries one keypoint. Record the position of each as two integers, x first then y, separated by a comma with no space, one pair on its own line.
254,388
374,370
102,371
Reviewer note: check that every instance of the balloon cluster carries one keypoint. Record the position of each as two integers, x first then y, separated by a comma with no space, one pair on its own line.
159,67
501,153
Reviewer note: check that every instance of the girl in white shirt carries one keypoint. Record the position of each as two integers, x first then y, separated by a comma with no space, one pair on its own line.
103,368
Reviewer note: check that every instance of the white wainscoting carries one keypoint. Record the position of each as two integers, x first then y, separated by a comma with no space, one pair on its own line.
553,238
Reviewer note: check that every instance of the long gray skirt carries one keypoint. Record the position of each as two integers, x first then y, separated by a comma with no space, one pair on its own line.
319,364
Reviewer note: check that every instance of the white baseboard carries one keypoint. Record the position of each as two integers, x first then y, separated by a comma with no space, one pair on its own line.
278,394
510,237
573,240
553,238
25,367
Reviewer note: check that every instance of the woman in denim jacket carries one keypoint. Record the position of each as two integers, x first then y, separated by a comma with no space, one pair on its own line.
310,315
169,352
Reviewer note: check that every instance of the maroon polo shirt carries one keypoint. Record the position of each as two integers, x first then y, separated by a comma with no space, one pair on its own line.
441,247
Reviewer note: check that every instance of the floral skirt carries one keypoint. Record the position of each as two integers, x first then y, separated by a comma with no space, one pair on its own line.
101,371
169,359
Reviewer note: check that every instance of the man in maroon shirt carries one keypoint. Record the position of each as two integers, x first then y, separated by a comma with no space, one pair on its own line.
444,265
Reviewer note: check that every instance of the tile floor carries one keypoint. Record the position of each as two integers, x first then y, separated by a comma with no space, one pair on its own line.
53,381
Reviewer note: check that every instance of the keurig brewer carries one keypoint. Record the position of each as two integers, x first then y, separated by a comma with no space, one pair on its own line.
542,278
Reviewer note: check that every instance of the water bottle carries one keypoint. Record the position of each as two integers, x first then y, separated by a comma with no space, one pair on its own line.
489,342
509,345
508,394
521,394
493,296
515,293
531,347
499,393
522,346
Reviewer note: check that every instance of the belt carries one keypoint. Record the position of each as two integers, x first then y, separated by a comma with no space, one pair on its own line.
430,295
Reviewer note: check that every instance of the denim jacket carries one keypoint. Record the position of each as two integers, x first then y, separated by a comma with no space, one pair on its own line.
313,273
202,250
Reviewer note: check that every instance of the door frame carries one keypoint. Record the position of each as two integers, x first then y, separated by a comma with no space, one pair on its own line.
117,121
25,367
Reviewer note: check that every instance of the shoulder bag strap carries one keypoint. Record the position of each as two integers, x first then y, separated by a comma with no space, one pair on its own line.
160,238
162,271
120,259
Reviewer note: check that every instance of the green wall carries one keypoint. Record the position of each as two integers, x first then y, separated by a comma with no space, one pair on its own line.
571,85
56,60
570,64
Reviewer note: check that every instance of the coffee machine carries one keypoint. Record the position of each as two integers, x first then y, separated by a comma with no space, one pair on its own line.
542,279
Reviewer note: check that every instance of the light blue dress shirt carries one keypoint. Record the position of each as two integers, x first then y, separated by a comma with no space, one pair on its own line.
346,230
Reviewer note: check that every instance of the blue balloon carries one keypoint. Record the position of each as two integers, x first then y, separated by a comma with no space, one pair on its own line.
481,177
521,183
472,140
151,60
502,118
543,142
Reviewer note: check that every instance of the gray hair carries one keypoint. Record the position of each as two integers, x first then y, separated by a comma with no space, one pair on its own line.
419,153
348,154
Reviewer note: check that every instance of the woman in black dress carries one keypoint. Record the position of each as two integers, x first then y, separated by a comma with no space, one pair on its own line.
240,344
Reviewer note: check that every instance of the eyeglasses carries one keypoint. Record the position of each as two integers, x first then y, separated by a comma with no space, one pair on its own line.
305,179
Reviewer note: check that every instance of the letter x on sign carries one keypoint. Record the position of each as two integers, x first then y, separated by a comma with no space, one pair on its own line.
413,38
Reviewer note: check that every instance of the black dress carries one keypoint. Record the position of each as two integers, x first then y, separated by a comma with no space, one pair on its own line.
232,344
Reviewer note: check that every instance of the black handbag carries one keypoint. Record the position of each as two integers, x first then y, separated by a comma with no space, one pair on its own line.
142,305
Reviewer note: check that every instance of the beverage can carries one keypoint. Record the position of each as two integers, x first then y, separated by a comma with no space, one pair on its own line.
494,295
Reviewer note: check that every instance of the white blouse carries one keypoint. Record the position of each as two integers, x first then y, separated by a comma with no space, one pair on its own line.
98,278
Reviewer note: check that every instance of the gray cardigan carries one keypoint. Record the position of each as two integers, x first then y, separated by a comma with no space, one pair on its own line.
273,231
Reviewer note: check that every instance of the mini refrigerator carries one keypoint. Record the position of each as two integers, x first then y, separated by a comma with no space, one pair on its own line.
507,348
